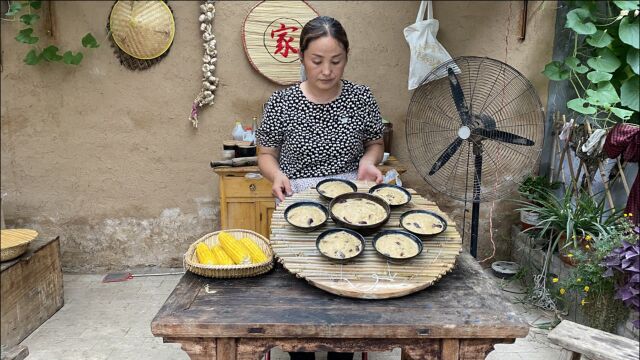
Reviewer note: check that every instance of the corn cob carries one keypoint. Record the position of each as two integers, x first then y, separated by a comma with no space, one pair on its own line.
204,254
234,248
257,255
220,257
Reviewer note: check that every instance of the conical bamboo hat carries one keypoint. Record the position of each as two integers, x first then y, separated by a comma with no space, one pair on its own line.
142,29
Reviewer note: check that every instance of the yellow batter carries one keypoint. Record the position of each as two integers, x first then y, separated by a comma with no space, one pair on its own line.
359,211
422,223
334,188
306,216
391,195
340,245
397,246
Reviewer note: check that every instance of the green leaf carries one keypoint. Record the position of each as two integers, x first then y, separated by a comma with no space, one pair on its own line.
600,39
629,32
630,93
577,21
29,19
555,71
622,113
24,36
89,41
35,4
626,5
32,58
15,7
50,53
574,64
581,106
69,58
597,76
633,59
605,95
606,61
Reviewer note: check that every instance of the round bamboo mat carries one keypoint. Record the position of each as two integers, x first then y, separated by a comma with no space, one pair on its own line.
271,38
369,276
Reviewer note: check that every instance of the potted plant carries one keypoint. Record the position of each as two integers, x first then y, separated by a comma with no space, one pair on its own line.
567,222
532,189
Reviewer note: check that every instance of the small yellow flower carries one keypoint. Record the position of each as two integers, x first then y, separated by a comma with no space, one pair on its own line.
625,215
574,237
570,255
562,291
579,280
555,280
588,237
586,289
630,214
583,302
587,247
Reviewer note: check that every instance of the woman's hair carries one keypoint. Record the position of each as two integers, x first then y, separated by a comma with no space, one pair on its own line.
323,26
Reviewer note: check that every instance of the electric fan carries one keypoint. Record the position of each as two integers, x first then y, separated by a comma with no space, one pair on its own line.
475,132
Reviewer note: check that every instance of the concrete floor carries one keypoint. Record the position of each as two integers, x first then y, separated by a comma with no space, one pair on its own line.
112,321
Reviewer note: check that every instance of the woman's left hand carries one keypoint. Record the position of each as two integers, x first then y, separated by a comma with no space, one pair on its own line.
369,172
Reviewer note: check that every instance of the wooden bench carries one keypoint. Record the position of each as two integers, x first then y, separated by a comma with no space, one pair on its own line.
15,353
30,290
578,340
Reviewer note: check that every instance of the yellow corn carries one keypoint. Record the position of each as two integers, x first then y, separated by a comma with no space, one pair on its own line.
234,248
220,257
204,254
257,255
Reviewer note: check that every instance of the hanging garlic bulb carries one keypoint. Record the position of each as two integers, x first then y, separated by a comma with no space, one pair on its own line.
209,81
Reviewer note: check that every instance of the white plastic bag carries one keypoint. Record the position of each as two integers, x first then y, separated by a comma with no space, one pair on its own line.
426,51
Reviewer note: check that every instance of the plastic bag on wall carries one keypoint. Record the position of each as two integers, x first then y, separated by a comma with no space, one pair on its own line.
426,52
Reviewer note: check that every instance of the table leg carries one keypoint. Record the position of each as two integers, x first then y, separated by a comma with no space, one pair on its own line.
226,349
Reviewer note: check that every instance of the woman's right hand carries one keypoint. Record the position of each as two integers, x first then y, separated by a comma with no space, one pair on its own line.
281,186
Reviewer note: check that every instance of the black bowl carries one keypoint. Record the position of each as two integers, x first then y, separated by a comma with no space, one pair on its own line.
352,185
406,234
442,220
400,188
334,230
306,203
362,228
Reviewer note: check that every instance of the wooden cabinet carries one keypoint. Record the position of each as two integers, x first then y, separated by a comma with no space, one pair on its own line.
247,203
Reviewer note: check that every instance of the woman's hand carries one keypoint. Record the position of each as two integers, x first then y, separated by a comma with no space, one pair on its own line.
369,172
281,186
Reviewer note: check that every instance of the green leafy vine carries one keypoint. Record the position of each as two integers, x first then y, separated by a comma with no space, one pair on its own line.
50,53
604,66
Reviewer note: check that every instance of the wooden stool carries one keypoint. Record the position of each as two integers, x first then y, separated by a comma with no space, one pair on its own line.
17,352
577,340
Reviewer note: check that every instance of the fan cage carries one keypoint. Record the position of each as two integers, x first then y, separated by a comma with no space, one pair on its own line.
491,89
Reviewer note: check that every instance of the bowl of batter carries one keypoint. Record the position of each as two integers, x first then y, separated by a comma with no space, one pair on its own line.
423,222
306,215
340,244
330,188
397,245
359,211
394,195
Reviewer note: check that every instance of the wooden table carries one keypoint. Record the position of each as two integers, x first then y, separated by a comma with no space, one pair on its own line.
461,317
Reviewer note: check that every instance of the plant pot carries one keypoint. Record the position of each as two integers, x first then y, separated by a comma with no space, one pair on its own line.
528,219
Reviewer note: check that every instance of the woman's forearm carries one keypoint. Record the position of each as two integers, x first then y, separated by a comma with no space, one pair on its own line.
373,152
268,164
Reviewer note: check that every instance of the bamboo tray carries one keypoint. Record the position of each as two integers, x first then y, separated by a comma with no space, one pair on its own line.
369,276
15,242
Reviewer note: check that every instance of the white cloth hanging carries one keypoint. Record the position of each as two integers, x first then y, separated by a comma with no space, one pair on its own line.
426,52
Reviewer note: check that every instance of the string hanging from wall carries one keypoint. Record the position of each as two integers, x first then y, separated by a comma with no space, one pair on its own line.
209,59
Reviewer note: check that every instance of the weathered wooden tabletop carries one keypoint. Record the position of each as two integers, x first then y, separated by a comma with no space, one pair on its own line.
461,317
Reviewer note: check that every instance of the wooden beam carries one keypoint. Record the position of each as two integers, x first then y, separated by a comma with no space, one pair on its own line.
592,343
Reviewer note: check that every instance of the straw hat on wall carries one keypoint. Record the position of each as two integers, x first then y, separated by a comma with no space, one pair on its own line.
142,29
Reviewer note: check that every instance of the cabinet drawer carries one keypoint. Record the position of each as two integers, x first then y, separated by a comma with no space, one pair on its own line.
236,186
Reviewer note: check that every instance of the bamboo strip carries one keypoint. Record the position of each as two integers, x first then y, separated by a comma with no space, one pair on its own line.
623,178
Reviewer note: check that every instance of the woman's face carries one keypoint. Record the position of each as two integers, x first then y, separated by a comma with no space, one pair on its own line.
324,62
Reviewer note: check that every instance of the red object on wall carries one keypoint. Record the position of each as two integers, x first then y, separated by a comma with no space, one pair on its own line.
624,139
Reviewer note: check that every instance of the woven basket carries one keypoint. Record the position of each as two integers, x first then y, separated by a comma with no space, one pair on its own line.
15,242
229,271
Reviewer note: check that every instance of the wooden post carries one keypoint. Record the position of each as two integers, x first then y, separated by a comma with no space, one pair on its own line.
226,349
450,349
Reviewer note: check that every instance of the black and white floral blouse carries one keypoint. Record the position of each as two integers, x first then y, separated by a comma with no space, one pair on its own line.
318,140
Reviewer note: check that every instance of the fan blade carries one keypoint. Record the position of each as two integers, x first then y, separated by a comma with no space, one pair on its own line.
503,136
458,97
446,155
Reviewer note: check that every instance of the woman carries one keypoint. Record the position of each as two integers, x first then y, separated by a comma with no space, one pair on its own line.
324,127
